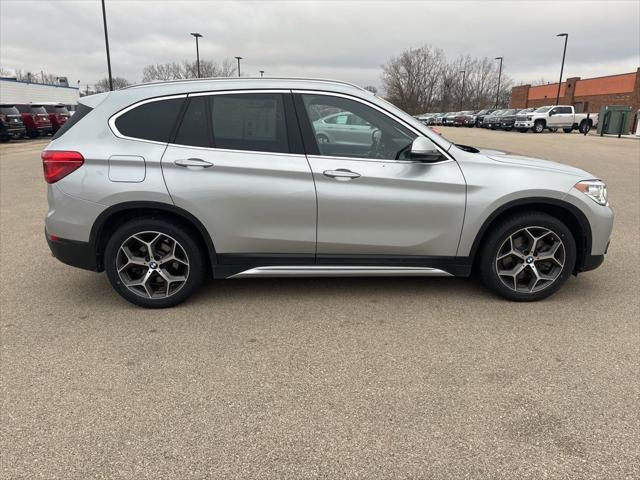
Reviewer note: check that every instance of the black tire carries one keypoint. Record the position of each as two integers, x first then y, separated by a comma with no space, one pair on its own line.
500,233
322,138
4,138
33,134
186,239
567,130
523,130
553,129
585,127
508,129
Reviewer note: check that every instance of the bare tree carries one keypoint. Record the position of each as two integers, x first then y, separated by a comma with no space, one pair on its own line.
371,88
421,80
411,79
188,69
118,82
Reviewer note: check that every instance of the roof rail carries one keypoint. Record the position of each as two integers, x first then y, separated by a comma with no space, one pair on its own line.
195,80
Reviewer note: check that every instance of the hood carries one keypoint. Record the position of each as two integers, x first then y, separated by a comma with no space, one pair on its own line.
538,163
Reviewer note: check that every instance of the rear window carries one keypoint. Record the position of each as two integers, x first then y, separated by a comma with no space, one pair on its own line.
38,110
81,112
150,121
6,110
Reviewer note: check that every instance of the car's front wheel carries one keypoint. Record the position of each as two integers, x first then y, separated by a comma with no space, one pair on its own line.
154,263
527,256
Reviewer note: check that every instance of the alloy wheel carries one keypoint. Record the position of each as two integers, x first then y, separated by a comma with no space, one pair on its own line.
530,260
152,264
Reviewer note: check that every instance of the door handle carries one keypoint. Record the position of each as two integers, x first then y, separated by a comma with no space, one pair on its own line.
341,174
193,162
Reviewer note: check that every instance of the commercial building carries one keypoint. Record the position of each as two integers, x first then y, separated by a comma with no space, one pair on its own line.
587,95
15,91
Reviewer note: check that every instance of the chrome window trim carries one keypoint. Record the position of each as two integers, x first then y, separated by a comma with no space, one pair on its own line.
237,92
446,154
115,116
228,150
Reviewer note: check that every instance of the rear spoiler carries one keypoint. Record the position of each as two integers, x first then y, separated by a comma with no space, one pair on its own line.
92,101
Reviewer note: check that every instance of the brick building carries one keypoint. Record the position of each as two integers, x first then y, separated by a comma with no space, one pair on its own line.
587,95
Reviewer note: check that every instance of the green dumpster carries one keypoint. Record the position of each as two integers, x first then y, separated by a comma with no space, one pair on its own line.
615,120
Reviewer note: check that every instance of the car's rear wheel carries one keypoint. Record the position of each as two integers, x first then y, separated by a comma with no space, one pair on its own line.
527,257
154,263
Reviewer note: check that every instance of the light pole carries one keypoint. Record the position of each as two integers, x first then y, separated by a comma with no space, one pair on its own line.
197,36
261,73
238,59
566,37
106,42
499,75
462,94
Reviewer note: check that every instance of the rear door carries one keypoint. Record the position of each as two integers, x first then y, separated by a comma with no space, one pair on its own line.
372,206
237,163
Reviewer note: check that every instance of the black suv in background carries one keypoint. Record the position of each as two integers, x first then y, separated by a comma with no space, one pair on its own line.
481,114
11,124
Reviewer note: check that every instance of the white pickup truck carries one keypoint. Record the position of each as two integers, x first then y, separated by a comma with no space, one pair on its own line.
554,117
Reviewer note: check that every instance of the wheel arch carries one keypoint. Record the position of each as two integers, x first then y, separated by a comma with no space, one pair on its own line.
571,215
116,215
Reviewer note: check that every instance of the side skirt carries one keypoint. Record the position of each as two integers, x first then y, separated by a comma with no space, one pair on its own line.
282,265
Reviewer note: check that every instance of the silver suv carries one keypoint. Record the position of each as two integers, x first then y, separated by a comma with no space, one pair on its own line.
163,185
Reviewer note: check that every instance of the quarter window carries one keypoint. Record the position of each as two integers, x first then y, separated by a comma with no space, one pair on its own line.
366,133
151,121
249,121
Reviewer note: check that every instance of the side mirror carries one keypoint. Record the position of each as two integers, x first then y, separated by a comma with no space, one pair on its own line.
425,150
551,113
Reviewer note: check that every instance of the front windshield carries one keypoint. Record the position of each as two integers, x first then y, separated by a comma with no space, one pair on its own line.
543,109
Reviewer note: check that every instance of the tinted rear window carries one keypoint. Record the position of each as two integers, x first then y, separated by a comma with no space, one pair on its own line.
38,110
250,121
194,129
56,109
4,110
81,112
150,121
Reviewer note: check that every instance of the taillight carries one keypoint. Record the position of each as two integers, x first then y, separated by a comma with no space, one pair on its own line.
3,118
58,164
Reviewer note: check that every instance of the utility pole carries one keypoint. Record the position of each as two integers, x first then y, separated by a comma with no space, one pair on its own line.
238,58
566,37
197,35
499,75
106,42
462,94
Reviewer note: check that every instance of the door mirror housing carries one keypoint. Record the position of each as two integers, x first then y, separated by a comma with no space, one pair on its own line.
424,150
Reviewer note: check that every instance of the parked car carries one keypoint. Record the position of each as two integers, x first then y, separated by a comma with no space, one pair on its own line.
508,121
464,118
448,119
36,119
161,185
431,120
490,120
499,120
58,115
439,119
479,117
11,124
554,117
343,127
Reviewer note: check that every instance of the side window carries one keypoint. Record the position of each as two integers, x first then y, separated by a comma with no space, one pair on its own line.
194,129
249,121
565,110
378,136
151,121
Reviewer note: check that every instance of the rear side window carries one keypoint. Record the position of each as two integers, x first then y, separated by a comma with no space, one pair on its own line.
194,129
150,121
81,112
250,121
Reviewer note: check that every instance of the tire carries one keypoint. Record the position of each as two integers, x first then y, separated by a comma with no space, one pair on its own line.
585,127
523,130
4,138
33,134
553,129
167,240
508,129
506,250
567,130
322,138
538,127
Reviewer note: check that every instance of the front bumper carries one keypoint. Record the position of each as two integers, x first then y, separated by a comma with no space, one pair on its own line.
526,124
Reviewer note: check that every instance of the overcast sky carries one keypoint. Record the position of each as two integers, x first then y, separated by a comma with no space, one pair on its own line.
347,40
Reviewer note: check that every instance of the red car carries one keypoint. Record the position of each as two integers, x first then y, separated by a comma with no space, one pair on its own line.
36,119
58,115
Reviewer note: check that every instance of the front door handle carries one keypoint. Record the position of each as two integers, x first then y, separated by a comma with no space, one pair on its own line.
193,162
341,174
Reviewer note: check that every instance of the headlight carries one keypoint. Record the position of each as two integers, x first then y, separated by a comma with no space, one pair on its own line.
595,189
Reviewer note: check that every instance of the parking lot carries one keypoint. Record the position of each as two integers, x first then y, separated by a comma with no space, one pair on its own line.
322,378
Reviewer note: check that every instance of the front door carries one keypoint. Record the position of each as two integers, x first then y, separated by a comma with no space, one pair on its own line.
237,164
374,203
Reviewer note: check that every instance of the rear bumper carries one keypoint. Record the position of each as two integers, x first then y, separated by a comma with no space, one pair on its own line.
72,252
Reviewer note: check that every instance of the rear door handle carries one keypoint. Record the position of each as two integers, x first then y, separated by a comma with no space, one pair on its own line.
341,174
193,162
